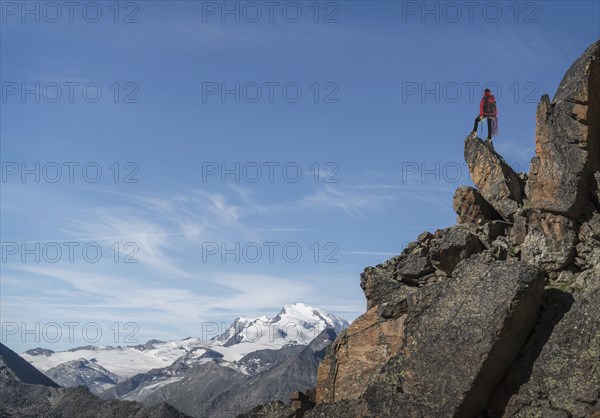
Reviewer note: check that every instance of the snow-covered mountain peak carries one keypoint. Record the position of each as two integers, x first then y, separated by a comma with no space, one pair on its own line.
301,312
296,323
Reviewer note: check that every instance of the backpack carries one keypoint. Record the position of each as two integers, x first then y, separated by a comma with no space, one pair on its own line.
489,105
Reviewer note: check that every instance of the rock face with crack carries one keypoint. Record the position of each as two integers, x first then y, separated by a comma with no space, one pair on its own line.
498,316
565,378
470,327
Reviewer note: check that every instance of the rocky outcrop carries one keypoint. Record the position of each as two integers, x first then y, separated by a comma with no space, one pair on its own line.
496,181
471,207
567,150
425,261
498,316
451,245
588,248
470,327
378,335
382,286
550,241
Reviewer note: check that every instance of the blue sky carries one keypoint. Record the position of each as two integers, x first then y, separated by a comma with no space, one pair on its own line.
350,171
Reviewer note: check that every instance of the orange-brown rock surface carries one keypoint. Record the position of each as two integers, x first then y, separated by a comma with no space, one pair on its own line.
567,154
357,355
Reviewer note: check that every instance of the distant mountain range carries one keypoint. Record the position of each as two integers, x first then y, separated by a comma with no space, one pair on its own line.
27,392
252,361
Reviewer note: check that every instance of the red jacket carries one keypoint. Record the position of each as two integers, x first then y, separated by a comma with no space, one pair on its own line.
481,113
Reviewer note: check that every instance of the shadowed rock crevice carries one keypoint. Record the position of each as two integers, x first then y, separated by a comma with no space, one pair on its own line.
565,376
517,329
555,305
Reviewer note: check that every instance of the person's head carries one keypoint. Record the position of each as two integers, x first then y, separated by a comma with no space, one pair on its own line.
487,91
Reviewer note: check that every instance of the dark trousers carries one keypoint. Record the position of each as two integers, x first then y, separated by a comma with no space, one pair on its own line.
489,123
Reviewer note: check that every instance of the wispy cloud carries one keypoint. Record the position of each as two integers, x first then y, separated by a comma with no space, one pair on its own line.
150,241
106,293
353,200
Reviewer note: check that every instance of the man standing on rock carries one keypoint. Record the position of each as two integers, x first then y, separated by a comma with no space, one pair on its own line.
487,109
